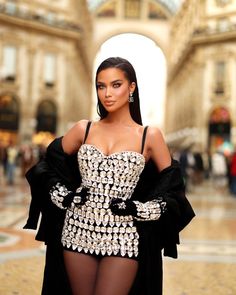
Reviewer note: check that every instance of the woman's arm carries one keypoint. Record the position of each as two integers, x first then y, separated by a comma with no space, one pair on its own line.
59,192
73,139
157,150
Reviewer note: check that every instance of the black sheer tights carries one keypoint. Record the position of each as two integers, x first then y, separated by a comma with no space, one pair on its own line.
89,275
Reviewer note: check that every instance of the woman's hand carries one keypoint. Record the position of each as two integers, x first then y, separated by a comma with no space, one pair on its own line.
151,210
123,208
62,197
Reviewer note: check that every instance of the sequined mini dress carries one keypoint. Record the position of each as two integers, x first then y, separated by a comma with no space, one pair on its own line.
92,228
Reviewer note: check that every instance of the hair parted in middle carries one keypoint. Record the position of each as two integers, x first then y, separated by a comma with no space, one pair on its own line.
126,67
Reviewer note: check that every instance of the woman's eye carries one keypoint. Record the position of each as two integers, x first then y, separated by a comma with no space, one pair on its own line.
100,86
116,85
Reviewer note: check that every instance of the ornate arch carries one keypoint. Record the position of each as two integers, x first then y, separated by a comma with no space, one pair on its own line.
126,30
171,5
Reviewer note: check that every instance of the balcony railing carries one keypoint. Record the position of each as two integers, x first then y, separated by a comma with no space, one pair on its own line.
215,30
11,9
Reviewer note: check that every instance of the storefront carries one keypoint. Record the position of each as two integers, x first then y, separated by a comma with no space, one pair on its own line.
9,118
46,123
220,130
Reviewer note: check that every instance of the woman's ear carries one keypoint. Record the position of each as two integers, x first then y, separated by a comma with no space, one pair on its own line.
132,87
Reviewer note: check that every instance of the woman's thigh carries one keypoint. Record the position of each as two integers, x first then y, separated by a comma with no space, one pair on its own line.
82,270
115,275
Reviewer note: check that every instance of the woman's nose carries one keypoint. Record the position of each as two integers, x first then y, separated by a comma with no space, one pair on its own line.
108,92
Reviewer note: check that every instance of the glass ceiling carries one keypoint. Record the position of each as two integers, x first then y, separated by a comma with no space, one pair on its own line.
171,5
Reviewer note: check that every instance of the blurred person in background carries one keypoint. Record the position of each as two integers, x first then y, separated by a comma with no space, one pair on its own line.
3,157
198,168
206,158
26,158
232,173
219,170
41,151
1,154
111,197
183,160
11,162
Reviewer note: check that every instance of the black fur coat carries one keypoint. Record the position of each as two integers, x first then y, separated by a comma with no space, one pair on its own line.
155,236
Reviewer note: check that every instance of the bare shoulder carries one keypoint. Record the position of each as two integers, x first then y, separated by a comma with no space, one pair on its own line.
154,131
73,139
155,135
78,129
81,125
158,148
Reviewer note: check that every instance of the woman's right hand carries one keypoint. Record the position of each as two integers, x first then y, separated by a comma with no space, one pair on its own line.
62,197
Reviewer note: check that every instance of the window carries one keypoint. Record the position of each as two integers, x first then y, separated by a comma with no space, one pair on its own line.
171,5
39,14
10,8
23,10
222,3
50,18
49,69
223,25
9,63
107,10
132,8
47,116
154,12
9,112
219,77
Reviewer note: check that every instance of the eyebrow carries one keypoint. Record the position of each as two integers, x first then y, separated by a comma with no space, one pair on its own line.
112,82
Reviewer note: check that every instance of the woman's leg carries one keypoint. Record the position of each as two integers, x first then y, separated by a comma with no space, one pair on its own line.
82,271
115,275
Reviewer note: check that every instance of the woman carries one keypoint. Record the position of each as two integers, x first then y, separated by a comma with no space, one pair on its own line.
123,202
232,174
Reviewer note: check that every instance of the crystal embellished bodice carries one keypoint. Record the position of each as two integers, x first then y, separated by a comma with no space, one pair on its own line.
92,227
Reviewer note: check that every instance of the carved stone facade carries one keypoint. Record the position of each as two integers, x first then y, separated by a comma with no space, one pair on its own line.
51,46
45,67
201,105
47,50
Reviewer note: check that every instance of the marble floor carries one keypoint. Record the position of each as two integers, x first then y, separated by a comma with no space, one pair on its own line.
207,253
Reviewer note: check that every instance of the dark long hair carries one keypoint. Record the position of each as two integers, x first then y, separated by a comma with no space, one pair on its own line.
125,66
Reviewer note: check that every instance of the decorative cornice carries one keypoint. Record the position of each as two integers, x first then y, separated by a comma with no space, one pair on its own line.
222,3
214,36
33,21
202,37
9,87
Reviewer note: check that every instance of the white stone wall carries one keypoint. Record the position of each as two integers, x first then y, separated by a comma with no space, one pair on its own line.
212,43
72,79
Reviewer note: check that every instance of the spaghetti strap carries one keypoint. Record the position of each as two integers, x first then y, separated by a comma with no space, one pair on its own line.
87,131
144,138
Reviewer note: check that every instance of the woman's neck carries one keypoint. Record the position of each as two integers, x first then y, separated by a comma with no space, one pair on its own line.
122,117
118,120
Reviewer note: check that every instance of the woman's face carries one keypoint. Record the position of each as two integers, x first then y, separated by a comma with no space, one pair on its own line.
113,89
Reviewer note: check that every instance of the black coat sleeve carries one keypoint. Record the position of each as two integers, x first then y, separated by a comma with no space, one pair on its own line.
169,185
55,167
163,233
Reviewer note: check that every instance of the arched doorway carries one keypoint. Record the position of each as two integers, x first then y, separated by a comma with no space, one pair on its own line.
219,129
9,118
46,122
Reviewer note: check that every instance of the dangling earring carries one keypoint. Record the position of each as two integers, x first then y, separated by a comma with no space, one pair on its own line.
131,99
